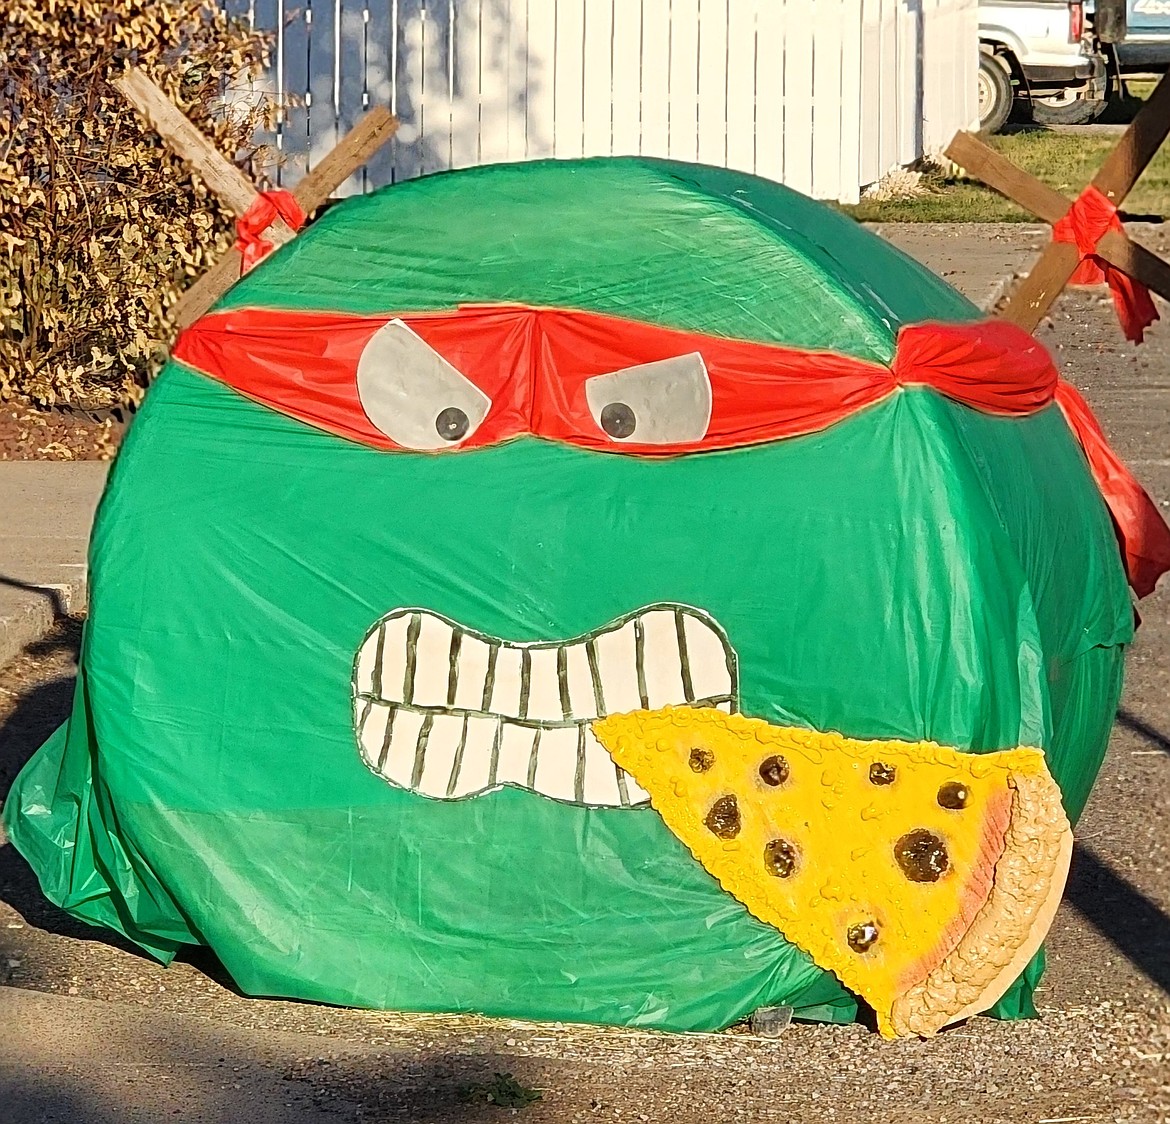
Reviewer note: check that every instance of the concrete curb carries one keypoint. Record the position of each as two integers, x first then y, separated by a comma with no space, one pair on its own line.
46,513
32,611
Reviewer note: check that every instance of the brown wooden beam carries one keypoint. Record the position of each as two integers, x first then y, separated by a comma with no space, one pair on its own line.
1034,295
202,293
222,177
1138,144
229,184
970,153
350,153
1137,261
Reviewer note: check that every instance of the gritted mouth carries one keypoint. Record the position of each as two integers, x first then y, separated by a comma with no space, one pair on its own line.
449,713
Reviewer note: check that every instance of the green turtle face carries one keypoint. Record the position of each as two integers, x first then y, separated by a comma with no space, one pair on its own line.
480,458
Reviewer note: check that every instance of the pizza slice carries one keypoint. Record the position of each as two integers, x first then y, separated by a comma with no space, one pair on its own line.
923,877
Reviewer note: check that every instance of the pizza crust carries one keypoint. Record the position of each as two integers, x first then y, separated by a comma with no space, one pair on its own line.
1029,882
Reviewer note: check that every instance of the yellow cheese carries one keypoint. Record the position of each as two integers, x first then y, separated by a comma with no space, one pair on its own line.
923,877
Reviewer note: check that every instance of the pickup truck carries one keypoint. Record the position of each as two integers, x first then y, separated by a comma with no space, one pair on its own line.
1146,46
1042,58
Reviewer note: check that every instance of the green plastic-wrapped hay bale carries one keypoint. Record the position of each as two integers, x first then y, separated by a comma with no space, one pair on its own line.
917,569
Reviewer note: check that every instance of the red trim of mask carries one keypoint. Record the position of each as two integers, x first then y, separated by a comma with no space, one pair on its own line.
533,363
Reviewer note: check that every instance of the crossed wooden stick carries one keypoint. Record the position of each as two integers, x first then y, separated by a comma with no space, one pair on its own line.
235,190
1032,298
1026,305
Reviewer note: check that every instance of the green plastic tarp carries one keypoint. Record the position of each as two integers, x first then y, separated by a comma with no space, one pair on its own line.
919,570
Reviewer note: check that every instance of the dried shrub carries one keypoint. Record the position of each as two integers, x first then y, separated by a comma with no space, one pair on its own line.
100,226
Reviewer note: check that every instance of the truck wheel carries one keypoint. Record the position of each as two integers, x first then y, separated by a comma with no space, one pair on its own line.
995,92
1067,107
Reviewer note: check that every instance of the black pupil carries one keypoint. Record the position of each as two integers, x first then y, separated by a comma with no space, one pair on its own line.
617,419
452,423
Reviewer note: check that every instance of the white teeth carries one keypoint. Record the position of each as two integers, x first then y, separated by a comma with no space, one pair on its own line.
475,772
617,661
503,695
449,713
544,696
581,696
601,775
662,678
442,750
707,658
432,661
474,657
556,763
635,792
514,754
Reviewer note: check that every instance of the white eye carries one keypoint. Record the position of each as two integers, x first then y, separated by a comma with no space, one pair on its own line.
660,403
413,395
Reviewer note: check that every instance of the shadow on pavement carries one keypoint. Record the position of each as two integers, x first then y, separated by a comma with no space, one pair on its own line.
42,709
39,712
443,1089
1143,730
1121,913
182,1081
100,1063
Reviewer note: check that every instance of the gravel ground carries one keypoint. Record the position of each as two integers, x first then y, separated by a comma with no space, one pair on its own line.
1100,1052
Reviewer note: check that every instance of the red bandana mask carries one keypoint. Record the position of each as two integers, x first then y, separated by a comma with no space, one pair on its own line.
476,376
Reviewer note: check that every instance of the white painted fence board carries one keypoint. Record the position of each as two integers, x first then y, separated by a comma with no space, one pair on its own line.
569,92
828,94
294,130
352,75
824,95
493,64
466,82
683,80
439,79
909,105
654,127
518,82
375,22
323,60
869,140
626,68
542,78
799,94
597,79
408,100
849,177
711,65
740,150
771,68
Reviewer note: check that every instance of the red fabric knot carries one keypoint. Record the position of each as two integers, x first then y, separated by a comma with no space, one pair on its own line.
991,365
260,215
1084,224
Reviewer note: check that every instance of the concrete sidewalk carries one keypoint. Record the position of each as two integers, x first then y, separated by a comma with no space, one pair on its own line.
46,511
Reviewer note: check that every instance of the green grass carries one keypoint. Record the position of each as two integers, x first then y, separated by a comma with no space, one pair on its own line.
1065,161
503,1091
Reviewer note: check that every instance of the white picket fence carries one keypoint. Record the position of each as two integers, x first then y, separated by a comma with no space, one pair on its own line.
825,96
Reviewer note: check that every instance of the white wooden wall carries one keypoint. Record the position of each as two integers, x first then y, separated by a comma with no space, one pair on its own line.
825,96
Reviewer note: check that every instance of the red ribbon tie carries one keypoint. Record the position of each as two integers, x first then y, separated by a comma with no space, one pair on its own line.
1086,222
260,215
